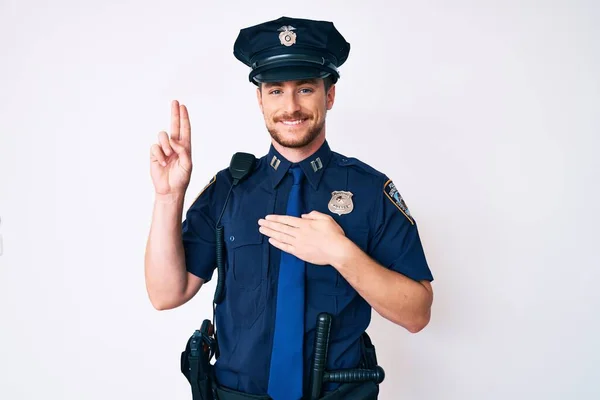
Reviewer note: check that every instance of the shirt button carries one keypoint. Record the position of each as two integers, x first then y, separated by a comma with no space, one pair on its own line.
231,238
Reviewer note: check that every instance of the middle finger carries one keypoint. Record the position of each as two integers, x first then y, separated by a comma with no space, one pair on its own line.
280,236
175,123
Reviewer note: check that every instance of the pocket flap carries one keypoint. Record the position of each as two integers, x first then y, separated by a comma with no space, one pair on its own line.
243,233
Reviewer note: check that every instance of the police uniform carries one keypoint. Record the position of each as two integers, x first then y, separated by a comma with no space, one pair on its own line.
363,201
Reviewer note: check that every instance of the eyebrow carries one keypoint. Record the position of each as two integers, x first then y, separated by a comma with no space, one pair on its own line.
299,83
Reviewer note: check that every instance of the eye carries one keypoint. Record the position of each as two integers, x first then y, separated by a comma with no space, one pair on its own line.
275,91
306,90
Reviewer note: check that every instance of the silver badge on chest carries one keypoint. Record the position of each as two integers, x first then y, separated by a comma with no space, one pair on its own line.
341,202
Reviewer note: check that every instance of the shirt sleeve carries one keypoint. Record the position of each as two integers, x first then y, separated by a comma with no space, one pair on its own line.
396,243
198,232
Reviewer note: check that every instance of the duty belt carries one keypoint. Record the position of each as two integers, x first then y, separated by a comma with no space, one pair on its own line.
347,391
356,384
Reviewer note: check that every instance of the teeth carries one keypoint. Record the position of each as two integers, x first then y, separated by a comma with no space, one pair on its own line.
296,122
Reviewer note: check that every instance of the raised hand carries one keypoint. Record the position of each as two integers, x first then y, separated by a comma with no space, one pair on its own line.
171,157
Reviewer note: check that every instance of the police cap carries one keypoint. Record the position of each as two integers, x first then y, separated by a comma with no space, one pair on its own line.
291,49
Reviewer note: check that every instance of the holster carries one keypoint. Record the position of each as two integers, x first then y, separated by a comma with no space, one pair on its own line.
196,365
369,356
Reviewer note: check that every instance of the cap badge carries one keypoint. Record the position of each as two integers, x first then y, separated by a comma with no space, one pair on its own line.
341,202
286,35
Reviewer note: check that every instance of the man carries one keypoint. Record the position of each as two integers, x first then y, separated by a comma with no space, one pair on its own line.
308,231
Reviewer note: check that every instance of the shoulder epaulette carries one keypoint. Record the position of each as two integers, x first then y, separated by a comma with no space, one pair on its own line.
352,161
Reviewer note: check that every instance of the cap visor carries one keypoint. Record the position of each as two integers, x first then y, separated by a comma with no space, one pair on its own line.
282,74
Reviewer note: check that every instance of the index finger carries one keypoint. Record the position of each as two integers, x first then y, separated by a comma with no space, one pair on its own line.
186,129
286,219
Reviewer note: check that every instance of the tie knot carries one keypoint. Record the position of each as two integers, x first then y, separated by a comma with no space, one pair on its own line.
297,174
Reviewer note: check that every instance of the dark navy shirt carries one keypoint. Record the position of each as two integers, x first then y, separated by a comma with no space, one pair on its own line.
379,223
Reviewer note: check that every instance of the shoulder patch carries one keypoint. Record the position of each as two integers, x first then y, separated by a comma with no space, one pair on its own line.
392,193
213,179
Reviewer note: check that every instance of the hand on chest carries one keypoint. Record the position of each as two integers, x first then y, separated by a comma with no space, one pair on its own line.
334,212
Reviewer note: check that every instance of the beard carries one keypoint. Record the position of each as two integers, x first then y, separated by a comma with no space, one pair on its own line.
314,129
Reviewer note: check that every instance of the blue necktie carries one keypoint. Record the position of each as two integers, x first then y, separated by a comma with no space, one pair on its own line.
286,371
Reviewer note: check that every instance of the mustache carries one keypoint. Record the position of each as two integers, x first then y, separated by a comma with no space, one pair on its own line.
291,117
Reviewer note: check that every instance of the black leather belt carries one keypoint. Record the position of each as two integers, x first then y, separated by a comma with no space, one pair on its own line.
228,394
347,391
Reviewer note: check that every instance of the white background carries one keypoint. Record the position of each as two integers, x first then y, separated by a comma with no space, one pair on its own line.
485,115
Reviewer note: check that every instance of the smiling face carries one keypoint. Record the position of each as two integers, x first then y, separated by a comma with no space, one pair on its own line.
294,111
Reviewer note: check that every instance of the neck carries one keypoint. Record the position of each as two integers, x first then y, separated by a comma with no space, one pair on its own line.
295,155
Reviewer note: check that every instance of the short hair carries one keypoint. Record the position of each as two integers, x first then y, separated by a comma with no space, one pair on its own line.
328,82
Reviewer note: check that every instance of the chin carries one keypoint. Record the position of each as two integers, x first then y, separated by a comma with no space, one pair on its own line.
293,143
294,138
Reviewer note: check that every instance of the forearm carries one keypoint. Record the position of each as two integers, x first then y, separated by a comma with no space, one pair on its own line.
165,272
393,295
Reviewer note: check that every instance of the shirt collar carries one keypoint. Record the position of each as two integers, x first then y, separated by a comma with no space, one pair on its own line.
313,166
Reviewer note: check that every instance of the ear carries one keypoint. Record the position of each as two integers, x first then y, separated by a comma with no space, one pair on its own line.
330,97
259,97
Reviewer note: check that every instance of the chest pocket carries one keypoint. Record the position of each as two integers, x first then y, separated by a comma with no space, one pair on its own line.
246,274
325,279
246,261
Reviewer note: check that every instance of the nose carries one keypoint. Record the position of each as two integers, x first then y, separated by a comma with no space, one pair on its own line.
291,102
